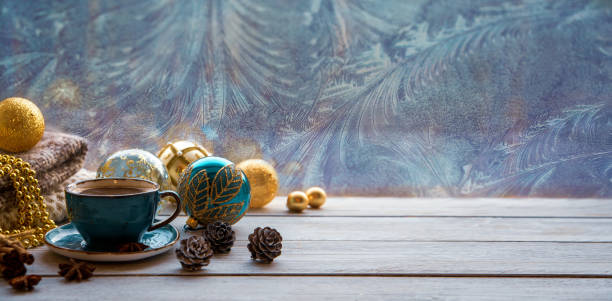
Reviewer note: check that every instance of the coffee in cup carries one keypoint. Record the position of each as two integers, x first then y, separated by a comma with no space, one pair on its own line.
111,211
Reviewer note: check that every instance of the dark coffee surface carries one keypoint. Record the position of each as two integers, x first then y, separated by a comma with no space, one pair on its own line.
114,190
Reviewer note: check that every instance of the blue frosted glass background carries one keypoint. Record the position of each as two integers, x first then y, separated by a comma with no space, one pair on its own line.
412,98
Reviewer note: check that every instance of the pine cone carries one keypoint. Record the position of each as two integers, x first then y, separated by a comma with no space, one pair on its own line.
265,244
220,236
25,283
194,253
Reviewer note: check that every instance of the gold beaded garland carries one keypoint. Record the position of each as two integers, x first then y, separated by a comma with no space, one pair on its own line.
30,202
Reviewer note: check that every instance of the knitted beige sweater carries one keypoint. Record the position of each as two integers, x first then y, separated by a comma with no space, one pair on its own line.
56,159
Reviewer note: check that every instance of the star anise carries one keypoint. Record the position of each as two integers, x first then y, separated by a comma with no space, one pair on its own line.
76,270
25,282
132,247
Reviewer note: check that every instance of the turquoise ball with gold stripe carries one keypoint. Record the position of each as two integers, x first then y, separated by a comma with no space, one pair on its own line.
214,189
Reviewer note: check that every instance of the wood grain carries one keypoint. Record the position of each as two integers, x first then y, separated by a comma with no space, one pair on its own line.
381,248
380,258
503,207
429,228
315,288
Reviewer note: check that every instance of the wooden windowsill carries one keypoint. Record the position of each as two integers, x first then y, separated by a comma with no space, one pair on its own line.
379,248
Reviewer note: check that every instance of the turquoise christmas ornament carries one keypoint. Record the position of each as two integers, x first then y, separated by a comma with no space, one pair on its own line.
214,189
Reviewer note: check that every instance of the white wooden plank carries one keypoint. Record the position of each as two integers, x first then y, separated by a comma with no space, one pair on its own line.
427,228
411,207
430,228
379,258
314,288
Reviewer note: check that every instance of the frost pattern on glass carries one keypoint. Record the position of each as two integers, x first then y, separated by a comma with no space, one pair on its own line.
411,98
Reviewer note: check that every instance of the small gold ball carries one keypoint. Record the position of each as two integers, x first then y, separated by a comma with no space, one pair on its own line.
262,179
316,197
297,201
22,124
192,222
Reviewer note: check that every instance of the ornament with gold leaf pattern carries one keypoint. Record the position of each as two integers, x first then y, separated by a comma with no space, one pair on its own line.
226,197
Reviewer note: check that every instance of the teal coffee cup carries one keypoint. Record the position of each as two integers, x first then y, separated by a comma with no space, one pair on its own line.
112,211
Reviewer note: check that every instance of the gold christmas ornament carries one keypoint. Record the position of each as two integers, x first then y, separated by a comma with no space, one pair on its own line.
34,219
316,197
21,124
263,180
176,156
297,201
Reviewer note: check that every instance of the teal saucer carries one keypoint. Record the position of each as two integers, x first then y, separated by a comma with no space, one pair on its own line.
66,240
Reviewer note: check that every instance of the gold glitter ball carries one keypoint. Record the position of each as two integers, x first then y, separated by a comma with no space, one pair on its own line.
134,163
176,156
297,201
263,180
316,197
21,124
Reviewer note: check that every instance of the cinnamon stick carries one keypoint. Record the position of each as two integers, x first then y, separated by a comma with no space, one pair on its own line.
12,270
21,252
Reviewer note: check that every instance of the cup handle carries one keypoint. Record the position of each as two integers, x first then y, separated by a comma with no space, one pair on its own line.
177,198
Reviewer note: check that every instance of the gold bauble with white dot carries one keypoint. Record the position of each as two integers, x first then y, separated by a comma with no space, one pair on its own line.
263,180
176,156
316,197
22,124
297,201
